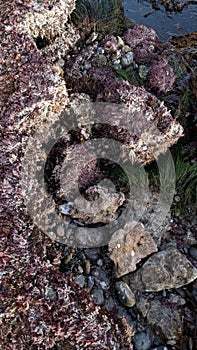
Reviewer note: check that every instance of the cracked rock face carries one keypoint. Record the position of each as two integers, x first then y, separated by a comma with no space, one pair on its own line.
163,270
128,246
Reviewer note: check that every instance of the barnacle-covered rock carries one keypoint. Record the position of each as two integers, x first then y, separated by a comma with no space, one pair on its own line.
161,76
32,91
47,23
144,42
26,91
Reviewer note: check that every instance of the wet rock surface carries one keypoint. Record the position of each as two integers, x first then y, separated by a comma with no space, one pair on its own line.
125,294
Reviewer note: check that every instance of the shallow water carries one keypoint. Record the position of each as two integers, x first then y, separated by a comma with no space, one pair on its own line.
166,24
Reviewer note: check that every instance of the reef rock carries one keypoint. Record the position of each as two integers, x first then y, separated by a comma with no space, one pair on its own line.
166,269
128,246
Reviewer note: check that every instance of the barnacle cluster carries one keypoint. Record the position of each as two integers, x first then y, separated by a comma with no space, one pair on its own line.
38,39
48,309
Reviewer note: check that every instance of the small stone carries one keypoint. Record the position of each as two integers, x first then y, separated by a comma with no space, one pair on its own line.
193,252
92,253
100,50
99,262
80,279
126,48
98,295
87,266
87,65
100,278
51,294
127,59
79,269
126,296
66,208
164,270
128,246
117,65
90,282
109,303
142,341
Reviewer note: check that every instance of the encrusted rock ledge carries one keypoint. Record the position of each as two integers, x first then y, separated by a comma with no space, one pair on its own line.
41,309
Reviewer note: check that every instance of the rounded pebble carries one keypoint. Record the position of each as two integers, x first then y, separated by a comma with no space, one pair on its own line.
142,341
126,296
87,266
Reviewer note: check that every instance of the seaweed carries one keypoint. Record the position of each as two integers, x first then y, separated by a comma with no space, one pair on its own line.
102,16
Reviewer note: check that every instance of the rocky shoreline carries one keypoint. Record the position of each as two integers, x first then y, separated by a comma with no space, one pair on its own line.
47,69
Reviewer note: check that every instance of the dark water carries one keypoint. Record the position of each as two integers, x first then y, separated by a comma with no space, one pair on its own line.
165,24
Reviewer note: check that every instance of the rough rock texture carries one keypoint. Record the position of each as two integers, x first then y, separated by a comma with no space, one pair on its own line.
151,126
164,270
128,246
144,42
102,208
41,309
48,23
161,76
26,91
165,318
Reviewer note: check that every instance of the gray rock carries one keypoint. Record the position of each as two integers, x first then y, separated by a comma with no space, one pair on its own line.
142,341
51,294
92,253
98,295
99,262
126,296
80,279
166,319
90,282
102,209
164,270
128,246
160,348
193,252
109,303
100,278
127,59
